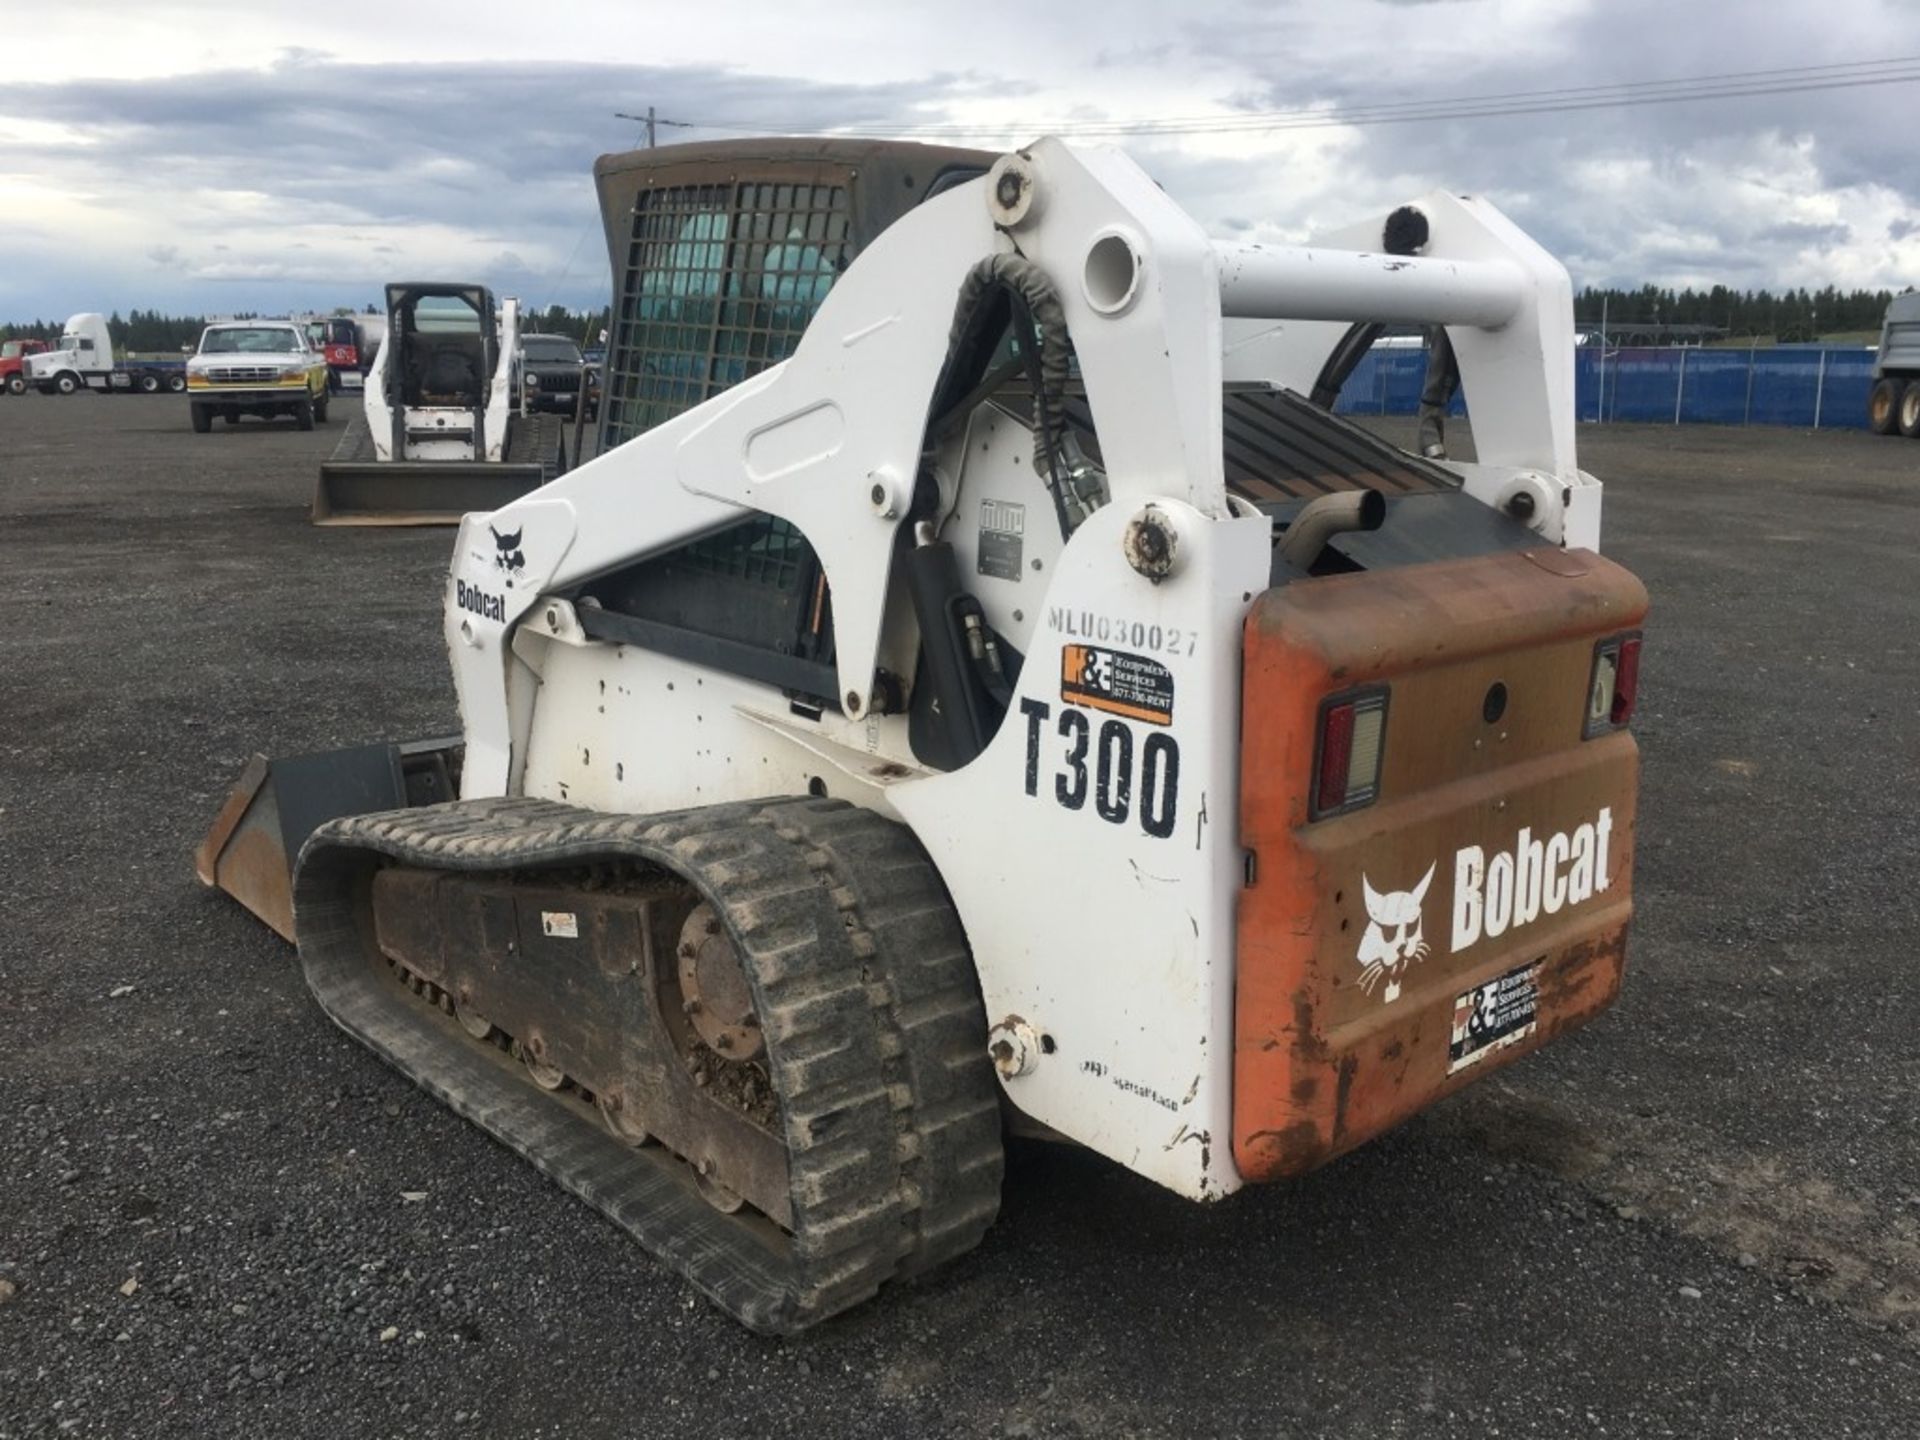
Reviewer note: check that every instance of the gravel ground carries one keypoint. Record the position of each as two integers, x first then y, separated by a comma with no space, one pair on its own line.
1699,1216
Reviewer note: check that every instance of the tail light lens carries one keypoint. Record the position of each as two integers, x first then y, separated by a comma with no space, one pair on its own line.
1626,680
1615,685
1353,730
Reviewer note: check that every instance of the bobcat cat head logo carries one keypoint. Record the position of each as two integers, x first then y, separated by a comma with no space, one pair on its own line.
1393,940
511,558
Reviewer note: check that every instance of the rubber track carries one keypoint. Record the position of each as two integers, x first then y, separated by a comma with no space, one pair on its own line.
355,446
538,439
864,987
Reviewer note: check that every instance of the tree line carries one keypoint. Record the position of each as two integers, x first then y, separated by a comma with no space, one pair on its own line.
138,330
1790,315
582,326
145,331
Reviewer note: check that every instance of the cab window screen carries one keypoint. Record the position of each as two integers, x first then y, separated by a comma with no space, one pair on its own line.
719,283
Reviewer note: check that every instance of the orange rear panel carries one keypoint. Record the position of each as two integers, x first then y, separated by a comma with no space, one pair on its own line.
1479,905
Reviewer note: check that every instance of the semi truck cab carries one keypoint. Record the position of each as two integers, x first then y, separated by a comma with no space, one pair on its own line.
84,360
84,352
13,363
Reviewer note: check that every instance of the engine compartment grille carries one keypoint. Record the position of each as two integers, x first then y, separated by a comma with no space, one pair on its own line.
1277,446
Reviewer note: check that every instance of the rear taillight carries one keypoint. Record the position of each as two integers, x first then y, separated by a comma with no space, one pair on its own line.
1614,686
1626,681
1347,765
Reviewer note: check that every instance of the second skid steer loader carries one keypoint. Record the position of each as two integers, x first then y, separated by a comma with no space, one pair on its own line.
1024,705
443,431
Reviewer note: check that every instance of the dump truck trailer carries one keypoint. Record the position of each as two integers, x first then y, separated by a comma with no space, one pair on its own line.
960,702
1893,404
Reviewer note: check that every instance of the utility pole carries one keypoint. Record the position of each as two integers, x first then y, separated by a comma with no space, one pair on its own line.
646,120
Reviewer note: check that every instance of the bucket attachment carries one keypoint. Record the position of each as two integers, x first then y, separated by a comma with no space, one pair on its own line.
276,804
417,492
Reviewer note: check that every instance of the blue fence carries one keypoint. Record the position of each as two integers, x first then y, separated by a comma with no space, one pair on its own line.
1807,386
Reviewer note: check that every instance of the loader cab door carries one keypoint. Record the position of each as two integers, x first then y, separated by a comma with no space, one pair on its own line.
445,345
720,263
720,266
439,369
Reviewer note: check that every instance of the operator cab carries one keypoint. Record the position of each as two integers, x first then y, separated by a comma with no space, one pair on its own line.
447,344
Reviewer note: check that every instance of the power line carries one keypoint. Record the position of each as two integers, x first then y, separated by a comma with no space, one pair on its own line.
1520,102
1624,95
1517,102
1469,111
593,222
1848,70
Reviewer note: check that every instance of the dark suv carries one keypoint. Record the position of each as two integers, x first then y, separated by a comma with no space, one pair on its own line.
551,373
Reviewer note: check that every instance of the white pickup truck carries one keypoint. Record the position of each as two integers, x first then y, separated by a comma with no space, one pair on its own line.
256,367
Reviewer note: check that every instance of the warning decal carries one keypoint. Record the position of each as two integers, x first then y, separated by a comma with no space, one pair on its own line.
1002,529
1117,681
1491,1016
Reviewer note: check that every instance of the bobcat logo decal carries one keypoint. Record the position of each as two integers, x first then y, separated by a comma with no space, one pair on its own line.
511,558
1393,940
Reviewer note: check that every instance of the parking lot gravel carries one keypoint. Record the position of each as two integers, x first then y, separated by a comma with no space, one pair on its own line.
1699,1216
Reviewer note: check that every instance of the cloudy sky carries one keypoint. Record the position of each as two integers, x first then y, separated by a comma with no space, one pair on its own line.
220,155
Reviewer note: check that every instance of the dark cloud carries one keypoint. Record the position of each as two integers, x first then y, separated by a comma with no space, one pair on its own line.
217,179
500,155
1807,233
1604,188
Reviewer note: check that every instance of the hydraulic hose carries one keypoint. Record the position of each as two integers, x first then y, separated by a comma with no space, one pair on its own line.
1028,302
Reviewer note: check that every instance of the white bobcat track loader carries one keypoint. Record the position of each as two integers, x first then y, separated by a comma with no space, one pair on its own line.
1023,706
443,432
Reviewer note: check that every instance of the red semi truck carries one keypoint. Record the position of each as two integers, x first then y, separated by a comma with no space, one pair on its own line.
348,343
13,363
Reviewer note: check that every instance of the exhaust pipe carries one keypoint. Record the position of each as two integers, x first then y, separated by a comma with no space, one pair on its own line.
1330,515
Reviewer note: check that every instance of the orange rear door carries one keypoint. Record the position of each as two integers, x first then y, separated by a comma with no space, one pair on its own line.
1465,900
